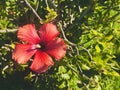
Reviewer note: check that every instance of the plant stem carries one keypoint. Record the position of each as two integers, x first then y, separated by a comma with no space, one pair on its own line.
33,10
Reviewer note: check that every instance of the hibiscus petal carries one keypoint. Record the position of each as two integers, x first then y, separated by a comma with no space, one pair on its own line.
56,48
28,34
23,53
48,32
41,62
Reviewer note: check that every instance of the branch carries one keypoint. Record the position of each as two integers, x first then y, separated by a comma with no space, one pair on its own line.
8,30
85,12
72,44
86,51
79,75
117,14
46,2
83,76
75,45
33,10
37,5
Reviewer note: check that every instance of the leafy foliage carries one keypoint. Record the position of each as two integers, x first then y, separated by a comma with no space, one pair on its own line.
92,32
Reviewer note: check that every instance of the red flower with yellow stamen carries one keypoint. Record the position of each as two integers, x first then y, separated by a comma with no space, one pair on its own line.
44,45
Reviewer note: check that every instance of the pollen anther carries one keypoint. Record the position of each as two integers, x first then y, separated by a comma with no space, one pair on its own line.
38,46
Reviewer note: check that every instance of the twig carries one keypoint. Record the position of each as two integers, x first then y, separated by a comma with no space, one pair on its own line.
8,30
86,51
37,5
65,36
46,2
78,19
33,10
73,69
82,76
79,75
117,14
51,3
77,51
73,44
85,12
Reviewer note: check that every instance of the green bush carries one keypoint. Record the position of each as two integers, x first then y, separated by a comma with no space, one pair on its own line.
92,33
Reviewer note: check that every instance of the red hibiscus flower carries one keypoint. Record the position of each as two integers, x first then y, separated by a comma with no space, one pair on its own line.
44,45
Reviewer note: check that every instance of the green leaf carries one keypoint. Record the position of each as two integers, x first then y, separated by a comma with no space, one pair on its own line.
97,48
65,76
51,15
108,38
62,69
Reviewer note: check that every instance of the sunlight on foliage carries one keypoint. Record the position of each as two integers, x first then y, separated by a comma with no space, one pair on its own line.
51,15
91,29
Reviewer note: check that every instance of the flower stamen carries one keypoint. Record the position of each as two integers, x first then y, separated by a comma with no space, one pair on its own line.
38,46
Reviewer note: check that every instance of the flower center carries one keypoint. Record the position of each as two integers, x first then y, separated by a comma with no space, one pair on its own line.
40,46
